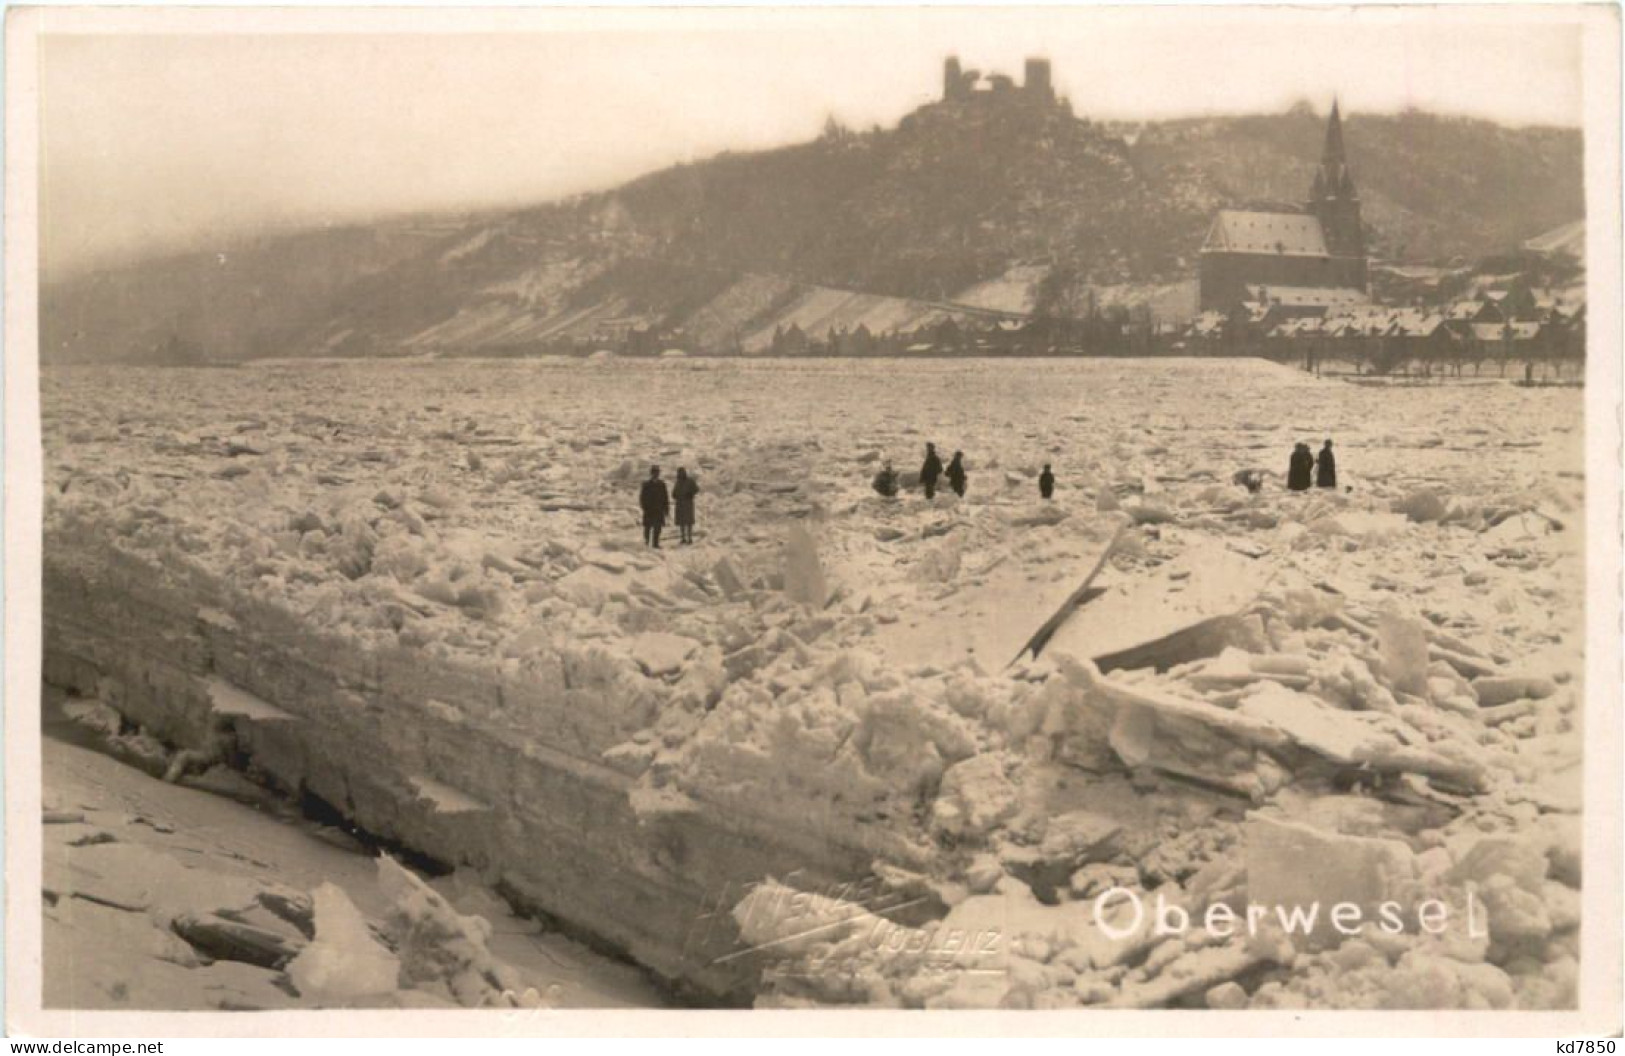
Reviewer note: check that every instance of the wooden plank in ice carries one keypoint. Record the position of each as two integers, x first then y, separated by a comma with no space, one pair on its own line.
1180,611
1041,637
227,699
990,620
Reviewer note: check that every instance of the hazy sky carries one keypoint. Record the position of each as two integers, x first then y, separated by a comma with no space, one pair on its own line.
153,141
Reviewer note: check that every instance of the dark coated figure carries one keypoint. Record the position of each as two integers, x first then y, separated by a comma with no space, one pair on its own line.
655,502
1046,482
1326,468
885,482
956,473
683,490
930,471
1301,468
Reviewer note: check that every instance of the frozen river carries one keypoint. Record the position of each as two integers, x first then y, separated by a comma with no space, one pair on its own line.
501,431
480,517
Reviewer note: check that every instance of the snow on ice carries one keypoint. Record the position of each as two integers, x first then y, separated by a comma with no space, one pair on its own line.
480,661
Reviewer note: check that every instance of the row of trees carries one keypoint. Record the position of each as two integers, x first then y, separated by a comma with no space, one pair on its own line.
1553,354
1113,331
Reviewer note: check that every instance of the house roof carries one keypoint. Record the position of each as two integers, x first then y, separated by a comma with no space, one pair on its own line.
1463,310
1417,322
1564,302
1286,234
1361,320
1418,272
1570,239
1378,320
1303,324
1498,331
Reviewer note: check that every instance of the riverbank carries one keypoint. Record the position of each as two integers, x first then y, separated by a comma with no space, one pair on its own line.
128,854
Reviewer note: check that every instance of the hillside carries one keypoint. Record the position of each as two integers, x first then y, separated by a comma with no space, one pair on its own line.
1006,205
1432,187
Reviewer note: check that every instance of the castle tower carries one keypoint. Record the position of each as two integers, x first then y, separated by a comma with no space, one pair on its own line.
953,78
1333,198
1036,83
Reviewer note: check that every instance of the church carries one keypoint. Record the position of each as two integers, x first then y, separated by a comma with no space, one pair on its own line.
1311,259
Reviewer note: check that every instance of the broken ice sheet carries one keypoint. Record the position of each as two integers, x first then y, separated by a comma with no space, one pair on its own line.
503,614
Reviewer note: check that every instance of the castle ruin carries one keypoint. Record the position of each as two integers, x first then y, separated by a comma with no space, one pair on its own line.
962,85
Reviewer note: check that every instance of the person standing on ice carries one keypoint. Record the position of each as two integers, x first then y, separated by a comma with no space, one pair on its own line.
1300,468
1326,468
930,471
1046,482
956,474
683,490
885,482
655,501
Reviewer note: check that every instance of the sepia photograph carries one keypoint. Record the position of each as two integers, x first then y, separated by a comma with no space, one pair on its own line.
813,510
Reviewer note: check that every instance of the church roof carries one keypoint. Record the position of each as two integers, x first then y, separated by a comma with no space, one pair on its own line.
1306,296
1287,234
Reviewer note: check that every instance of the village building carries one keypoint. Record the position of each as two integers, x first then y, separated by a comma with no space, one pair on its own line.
1317,253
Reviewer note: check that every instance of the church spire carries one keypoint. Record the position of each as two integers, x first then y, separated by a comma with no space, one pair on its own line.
1332,179
1332,197
1332,153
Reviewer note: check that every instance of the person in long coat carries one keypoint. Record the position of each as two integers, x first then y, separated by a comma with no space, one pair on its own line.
1326,468
655,502
1300,469
1046,482
683,490
956,473
930,471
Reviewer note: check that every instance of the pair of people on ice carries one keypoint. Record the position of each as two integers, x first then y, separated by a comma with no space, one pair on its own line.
656,502
931,471
1305,465
885,482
